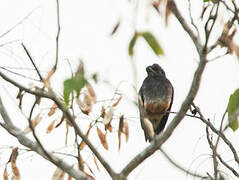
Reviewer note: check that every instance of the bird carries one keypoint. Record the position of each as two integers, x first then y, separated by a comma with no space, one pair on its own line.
155,99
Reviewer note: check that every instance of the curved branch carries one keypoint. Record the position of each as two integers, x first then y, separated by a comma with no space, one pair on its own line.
180,167
16,132
50,95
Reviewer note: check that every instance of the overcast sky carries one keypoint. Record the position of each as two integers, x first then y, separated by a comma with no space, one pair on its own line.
86,27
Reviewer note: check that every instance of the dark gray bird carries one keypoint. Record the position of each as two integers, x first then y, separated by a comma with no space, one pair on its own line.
154,100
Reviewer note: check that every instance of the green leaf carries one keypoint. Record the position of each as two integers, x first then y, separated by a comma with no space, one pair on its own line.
132,43
233,110
74,84
153,43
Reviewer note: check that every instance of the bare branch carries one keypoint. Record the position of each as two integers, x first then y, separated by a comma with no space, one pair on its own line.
172,6
180,166
67,114
16,132
224,138
32,61
58,32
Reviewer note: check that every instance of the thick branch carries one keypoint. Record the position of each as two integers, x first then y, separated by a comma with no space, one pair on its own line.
53,97
9,126
159,140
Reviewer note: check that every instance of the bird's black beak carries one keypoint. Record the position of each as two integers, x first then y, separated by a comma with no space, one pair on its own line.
151,70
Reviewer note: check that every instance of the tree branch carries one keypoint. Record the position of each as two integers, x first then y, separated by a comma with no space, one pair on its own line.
181,167
224,138
67,114
16,132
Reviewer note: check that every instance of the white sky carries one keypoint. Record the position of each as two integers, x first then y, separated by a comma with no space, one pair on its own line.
86,26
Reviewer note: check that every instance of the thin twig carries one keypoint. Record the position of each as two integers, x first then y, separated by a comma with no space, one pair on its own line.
50,95
58,32
180,166
32,61
16,132
224,138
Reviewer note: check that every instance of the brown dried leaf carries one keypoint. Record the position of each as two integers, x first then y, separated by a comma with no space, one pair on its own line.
102,138
108,127
62,119
120,130
14,155
52,110
102,112
69,177
50,127
15,171
38,100
19,96
82,144
109,115
83,107
5,174
91,92
95,161
117,102
58,174
126,130
156,4
35,122
168,12
80,71
46,81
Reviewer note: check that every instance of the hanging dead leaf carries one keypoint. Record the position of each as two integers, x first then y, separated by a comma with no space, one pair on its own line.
5,174
82,144
167,12
35,122
58,174
156,4
102,138
108,127
91,92
109,115
52,109
117,102
19,96
95,161
38,100
62,119
83,107
80,70
50,127
15,171
126,130
69,177
102,112
120,130
46,81
14,155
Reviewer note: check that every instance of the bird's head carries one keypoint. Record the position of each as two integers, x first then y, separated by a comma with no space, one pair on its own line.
155,70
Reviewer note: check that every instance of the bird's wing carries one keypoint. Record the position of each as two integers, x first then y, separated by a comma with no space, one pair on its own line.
164,119
145,122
